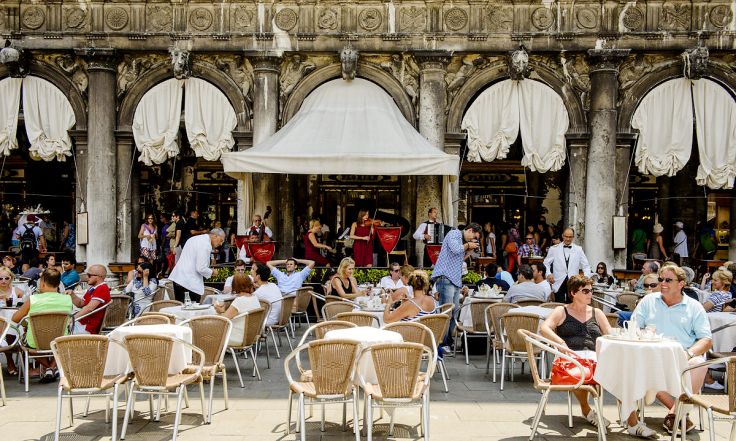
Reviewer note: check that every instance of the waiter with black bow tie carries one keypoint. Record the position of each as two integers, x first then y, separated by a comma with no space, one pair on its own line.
565,260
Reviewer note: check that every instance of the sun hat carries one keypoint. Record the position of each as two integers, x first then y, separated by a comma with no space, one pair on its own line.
658,228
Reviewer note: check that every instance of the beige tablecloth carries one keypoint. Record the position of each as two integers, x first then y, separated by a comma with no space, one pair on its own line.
723,341
366,336
117,357
632,370
186,314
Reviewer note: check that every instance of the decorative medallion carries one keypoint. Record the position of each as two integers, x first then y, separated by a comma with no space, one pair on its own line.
75,18
542,18
456,19
721,16
370,19
116,18
200,19
286,19
242,17
413,19
498,19
327,19
674,18
33,17
633,18
587,18
159,18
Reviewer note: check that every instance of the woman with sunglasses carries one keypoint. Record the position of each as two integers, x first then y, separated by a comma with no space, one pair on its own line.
142,287
9,296
601,274
576,327
147,235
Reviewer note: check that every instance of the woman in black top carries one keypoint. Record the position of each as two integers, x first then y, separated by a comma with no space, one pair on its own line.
576,327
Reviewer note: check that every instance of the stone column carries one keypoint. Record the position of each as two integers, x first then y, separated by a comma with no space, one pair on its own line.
623,159
243,141
265,122
101,166
80,191
575,200
600,181
127,223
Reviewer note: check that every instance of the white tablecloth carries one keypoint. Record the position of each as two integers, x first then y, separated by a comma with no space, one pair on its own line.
210,299
117,358
366,336
543,313
632,370
466,317
723,341
7,313
186,314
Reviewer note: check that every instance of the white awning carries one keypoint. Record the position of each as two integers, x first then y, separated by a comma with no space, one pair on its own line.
345,127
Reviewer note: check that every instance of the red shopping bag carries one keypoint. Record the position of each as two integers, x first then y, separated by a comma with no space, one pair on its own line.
565,372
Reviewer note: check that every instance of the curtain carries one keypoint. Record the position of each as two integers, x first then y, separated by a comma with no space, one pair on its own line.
156,122
9,108
48,117
492,122
543,122
715,122
664,119
209,119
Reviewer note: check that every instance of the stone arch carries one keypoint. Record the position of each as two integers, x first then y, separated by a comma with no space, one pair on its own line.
719,73
63,83
497,72
162,71
365,70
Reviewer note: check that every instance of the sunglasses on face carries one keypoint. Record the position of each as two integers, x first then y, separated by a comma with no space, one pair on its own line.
666,279
395,271
586,291
650,285
4,278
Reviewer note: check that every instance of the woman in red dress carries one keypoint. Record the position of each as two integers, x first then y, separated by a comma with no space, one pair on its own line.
312,246
360,232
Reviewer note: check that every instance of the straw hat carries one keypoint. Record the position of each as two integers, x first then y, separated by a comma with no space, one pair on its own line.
658,228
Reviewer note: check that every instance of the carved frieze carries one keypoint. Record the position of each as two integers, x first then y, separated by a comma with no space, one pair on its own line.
674,17
159,18
456,19
587,18
405,69
720,16
459,71
292,71
242,19
33,17
75,68
632,17
412,19
576,73
201,19
75,19
238,68
543,18
498,19
638,66
328,19
286,19
134,67
116,17
370,19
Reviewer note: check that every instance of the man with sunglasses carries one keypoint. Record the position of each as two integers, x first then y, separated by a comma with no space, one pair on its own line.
393,280
680,317
97,295
650,267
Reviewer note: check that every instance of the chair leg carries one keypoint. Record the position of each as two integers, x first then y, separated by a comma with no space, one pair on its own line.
275,346
288,412
25,369
237,367
322,419
114,412
71,411
128,408
678,415
598,402
495,362
208,420
711,426
255,363
569,409
489,348
86,407
391,423
177,417
288,339
224,387
2,386
201,400
344,416
425,408
356,430
302,420
444,374
268,354
503,366
538,414
369,420
58,414
465,347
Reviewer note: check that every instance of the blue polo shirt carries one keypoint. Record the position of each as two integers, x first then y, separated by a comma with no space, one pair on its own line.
290,283
686,321
69,278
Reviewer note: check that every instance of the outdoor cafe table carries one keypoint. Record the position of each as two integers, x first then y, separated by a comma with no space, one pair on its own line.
117,357
634,370
182,313
366,336
723,341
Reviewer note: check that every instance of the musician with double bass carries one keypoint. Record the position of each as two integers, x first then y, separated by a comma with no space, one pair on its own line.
425,233
361,231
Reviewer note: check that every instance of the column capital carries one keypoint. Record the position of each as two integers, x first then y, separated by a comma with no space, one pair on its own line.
266,64
432,60
606,59
99,59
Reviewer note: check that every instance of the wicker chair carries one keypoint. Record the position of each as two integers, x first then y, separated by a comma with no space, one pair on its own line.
333,364
172,318
162,293
359,318
630,299
551,305
330,310
446,308
287,303
157,306
150,318
536,346
412,332
45,326
331,298
301,305
493,323
477,329
724,404
612,318
209,291
400,382
439,325
81,361
530,302
4,328
253,329
117,313
149,357
514,346
210,334
320,329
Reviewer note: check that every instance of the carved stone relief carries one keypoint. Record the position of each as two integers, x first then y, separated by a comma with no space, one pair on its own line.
459,71
587,18
370,19
499,19
543,18
349,63
292,71
75,18
456,19
116,17
74,68
404,68
519,64
159,18
242,18
286,19
695,62
181,63
633,18
636,67
576,73
33,17
720,16
328,19
200,19
412,19
239,69
674,17
134,67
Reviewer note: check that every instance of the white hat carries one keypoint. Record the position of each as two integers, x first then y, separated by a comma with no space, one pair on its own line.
658,228
679,224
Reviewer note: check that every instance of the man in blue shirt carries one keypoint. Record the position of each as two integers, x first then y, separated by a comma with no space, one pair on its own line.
70,276
292,279
447,272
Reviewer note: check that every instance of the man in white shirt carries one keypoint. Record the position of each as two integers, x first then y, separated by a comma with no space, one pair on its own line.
393,280
239,268
194,264
526,288
565,260
422,234
680,242
292,279
266,291
539,272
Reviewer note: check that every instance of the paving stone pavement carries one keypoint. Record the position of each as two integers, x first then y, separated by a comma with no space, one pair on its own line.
475,408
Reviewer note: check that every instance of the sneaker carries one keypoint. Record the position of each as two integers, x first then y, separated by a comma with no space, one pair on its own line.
714,385
669,422
592,418
641,430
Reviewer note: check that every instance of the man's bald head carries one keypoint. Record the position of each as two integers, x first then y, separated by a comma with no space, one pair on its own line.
568,235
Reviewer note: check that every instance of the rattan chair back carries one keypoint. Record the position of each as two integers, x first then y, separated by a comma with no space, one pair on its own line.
330,298
151,318
412,332
287,303
320,329
303,298
158,306
46,326
331,309
81,359
477,312
551,305
163,291
531,352
612,318
495,312
630,299
159,314
397,368
253,326
529,302
438,324
359,318
210,334
512,323
209,291
149,357
332,363
446,308
731,383
265,304
117,313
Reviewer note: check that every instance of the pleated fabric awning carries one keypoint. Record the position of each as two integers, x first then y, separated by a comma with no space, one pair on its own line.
345,127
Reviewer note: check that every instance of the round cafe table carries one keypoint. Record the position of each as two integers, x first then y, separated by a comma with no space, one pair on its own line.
636,370
366,336
725,340
117,361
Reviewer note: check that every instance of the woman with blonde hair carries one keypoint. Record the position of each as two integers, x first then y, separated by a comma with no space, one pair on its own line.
344,284
721,294
9,296
312,245
410,309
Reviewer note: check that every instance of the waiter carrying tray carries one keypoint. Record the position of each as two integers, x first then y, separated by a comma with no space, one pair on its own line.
565,260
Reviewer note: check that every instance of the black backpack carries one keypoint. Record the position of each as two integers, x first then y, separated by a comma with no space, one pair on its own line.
28,239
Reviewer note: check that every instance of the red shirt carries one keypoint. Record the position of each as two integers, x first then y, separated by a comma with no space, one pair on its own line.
101,293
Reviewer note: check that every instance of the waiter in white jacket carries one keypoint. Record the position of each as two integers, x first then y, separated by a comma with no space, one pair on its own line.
564,260
194,264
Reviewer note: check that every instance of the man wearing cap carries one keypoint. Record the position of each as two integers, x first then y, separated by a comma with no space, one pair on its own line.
680,242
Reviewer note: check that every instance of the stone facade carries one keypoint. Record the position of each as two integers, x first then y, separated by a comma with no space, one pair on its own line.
432,57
